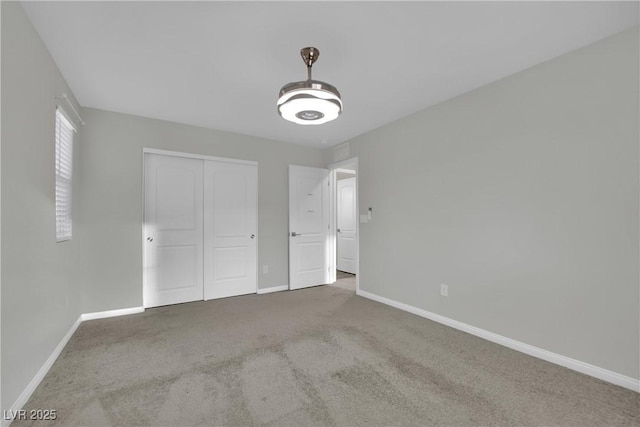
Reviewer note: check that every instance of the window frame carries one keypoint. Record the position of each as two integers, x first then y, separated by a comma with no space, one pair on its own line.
63,170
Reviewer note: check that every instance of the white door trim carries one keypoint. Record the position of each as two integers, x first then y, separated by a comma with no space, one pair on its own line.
334,168
196,156
346,171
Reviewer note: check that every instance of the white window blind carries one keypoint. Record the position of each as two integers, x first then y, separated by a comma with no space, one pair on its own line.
64,163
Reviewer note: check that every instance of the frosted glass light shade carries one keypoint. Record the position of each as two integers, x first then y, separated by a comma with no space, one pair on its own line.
309,102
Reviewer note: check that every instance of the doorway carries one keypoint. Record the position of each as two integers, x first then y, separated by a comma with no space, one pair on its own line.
346,220
319,254
345,228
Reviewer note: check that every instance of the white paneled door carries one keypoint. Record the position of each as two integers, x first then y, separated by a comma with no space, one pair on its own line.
200,229
230,205
173,230
308,226
346,225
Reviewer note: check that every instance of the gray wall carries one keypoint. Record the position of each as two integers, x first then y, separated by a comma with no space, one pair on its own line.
110,198
522,196
41,294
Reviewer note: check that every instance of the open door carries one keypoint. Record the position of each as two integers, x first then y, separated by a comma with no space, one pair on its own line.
346,222
345,219
308,226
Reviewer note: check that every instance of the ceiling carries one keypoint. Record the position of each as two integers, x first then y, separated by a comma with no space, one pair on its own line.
220,65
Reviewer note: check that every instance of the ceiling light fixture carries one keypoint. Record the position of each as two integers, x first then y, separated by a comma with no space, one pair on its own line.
309,102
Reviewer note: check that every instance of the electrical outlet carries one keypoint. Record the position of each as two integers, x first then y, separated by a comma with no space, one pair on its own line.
444,290
265,269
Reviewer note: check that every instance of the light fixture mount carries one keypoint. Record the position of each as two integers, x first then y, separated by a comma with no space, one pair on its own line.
309,102
309,56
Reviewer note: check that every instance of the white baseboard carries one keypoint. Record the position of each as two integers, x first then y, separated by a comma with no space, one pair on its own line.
273,289
111,313
576,365
42,372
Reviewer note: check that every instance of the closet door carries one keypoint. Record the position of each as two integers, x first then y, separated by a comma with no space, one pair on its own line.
230,229
173,230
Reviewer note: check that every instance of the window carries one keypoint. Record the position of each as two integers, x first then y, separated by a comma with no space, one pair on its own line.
64,162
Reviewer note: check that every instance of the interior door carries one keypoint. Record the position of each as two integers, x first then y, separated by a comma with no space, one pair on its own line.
173,245
308,226
230,201
346,225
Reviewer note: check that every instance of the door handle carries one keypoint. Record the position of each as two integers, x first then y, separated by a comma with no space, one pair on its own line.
338,230
149,239
253,235
294,234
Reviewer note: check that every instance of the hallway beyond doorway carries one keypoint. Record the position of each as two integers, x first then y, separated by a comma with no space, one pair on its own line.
345,280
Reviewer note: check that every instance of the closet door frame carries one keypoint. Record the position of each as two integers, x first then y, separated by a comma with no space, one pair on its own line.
145,151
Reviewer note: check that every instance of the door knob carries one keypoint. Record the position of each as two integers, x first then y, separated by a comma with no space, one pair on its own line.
149,239
253,235
338,230
294,234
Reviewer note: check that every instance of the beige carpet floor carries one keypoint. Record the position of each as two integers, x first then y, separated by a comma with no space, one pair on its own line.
318,356
345,281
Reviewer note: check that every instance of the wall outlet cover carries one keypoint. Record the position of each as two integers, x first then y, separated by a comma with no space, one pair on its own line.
444,290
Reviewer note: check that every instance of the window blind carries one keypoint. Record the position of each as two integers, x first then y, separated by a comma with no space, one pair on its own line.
64,163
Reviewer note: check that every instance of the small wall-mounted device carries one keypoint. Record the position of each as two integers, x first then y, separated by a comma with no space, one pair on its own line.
366,217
